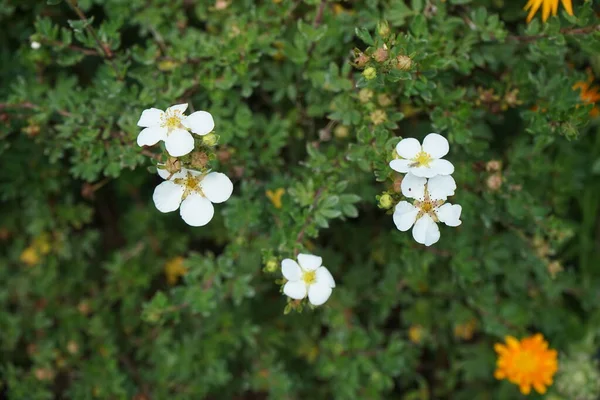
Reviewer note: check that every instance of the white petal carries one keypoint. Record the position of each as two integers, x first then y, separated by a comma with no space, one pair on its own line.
200,122
426,231
151,136
424,172
150,117
291,270
413,186
179,143
440,187
436,145
167,196
405,215
318,293
196,210
408,148
449,214
442,167
177,107
324,276
163,173
296,290
400,165
308,262
217,187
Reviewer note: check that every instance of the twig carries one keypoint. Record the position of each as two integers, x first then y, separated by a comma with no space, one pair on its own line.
316,23
30,106
564,31
83,50
150,154
108,54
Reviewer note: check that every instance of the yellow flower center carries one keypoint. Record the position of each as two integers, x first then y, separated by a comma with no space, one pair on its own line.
426,206
309,277
526,361
191,183
172,121
421,160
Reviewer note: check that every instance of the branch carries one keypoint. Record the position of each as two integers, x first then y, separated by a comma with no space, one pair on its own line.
565,31
83,50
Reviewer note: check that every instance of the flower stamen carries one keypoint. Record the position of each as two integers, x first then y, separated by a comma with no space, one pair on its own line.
309,277
422,159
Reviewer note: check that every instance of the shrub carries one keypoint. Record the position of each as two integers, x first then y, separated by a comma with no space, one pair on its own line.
105,297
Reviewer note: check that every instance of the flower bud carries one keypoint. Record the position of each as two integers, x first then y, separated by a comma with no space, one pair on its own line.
494,181
380,55
271,266
361,60
493,166
210,140
172,165
365,95
385,201
403,63
370,73
341,132
383,29
199,159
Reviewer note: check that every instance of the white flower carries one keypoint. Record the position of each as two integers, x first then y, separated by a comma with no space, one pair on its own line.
308,277
35,45
172,127
194,191
428,208
423,161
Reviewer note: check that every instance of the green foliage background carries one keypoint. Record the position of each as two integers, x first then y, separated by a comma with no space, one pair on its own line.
92,315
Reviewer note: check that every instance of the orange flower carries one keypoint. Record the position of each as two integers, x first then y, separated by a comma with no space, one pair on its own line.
526,363
548,5
589,94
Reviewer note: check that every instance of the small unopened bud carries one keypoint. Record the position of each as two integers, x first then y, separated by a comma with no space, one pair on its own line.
199,159
365,95
494,181
493,166
210,140
370,73
72,347
378,117
380,55
44,374
361,60
271,266
385,201
383,29
403,63
341,131
173,165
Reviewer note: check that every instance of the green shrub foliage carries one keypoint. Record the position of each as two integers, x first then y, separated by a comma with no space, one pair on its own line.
105,297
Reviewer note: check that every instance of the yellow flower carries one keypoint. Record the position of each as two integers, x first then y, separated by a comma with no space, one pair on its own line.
548,5
30,256
526,363
465,330
275,196
589,94
174,269
415,333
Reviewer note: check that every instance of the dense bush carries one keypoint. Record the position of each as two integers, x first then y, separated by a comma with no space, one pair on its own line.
105,297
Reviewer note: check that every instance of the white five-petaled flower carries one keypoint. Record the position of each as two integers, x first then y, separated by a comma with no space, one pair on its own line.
423,161
172,127
193,193
309,277
35,45
428,208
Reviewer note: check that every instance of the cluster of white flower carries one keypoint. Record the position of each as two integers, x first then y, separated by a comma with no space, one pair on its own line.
193,192
428,181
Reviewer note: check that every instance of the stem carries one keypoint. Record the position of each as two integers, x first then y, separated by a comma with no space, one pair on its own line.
565,31
108,54
87,52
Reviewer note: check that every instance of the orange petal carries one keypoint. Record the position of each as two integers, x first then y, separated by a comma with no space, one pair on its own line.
512,342
525,388
546,10
535,6
568,6
500,348
554,7
499,374
541,389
